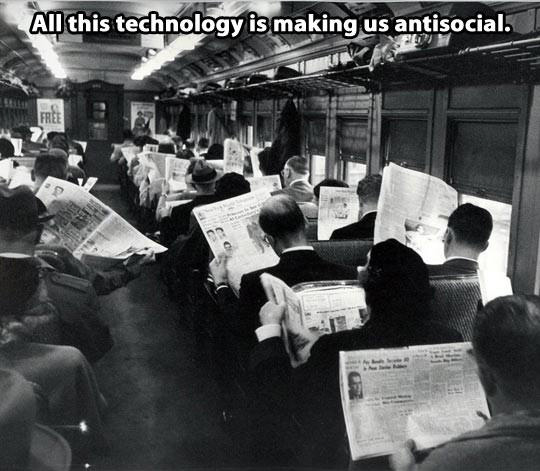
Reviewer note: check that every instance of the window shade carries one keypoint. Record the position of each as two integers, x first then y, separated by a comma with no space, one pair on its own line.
405,142
316,136
352,139
482,158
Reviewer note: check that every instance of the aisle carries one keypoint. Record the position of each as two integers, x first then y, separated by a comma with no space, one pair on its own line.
162,401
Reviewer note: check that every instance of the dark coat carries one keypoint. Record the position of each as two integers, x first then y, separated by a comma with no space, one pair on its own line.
362,229
311,391
456,266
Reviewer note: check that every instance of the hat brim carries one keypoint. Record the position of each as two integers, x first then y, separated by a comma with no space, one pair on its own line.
190,181
48,451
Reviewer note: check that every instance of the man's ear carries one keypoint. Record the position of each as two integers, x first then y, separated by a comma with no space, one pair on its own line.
486,245
448,235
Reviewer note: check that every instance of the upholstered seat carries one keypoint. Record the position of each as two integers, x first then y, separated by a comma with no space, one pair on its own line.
344,252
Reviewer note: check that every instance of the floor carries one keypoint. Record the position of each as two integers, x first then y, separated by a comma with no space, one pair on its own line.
164,411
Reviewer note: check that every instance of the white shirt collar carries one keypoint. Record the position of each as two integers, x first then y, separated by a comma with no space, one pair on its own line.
300,247
14,255
298,180
461,258
369,212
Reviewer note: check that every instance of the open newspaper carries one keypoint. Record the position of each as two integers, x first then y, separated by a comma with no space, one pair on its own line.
268,182
255,164
413,208
426,393
233,156
84,225
315,309
175,173
493,285
156,163
17,145
231,227
6,169
130,152
338,207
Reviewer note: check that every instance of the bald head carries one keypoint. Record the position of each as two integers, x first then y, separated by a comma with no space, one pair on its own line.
281,218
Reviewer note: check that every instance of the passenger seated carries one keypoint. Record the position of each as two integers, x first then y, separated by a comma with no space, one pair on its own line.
506,346
117,155
368,195
332,182
202,148
6,148
49,165
58,300
398,297
466,237
204,179
188,150
285,227
296,184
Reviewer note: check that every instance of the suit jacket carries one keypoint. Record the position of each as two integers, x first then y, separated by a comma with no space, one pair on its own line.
300,190
362,229
294,267
455,266
311,393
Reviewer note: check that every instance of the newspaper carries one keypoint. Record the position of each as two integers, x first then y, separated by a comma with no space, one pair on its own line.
255,164
414,208
90,182
130,152
231,227
233,156
315,309
175,173
269,182
21,176
17,145
156,162
428,393
25,161
74,159
84,225
6,168
338,207
493,285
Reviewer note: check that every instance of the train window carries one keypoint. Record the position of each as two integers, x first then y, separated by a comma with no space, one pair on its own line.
318,168
495,258
202,123
264,130
405,142
482,158
316,148
352,148
245,126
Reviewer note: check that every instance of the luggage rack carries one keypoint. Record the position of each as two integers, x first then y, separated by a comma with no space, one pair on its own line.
511,61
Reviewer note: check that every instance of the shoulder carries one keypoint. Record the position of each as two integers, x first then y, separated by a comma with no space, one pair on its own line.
346,232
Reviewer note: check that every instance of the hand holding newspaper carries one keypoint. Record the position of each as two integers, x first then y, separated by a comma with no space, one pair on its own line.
84,225
315,309
413,208
338,207
427,393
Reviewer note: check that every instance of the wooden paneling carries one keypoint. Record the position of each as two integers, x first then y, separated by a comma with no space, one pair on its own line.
485,97
407,100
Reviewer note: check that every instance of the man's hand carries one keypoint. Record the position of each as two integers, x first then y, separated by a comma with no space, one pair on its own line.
272,313
403,459
218,270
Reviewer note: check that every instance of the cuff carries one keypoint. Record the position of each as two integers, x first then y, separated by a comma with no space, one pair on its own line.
268,331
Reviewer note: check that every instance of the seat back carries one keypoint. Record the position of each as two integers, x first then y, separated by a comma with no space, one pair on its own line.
455,302
344,252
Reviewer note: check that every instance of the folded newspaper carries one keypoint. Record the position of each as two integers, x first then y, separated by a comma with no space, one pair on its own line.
233,156
427,393
231,227
413,208
84,225
315,309
268,182
338,207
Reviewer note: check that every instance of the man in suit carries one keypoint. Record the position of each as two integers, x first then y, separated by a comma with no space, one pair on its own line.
285,227
368,191
296,184
466,237
203,178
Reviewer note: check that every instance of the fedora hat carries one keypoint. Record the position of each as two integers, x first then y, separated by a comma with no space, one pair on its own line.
203,173
20,209
25,444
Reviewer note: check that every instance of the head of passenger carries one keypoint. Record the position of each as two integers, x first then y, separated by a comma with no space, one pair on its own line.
328,182
468,232
231,185
283,222
127,136
264,160
202,147
296,168
396,283
368,191
59,141
49,165
203,177
506,345
6,148
215,152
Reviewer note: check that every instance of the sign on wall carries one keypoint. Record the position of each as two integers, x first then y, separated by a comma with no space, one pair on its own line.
50,114
143,115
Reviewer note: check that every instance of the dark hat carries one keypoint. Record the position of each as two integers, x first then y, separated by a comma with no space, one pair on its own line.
215,152
20,209
202,173
25,444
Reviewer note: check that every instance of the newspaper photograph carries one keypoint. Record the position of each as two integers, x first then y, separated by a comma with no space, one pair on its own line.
175,173
413,208
315,309
428,393
338,207
268,182
231,227
233,156
83,224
